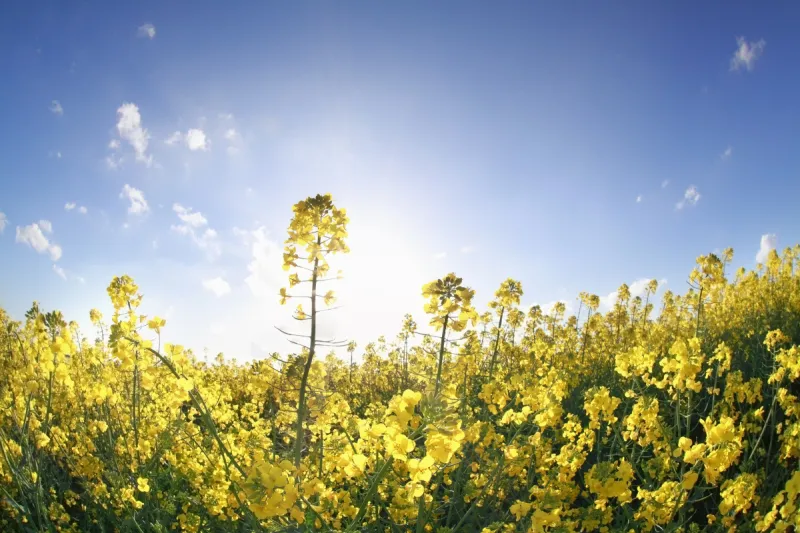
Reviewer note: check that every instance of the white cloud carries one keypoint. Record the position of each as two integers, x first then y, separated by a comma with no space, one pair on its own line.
637,288
129,126
207,241
175,138
266,273
234,141
113,162
608,301
3,221
747,53
81,280
664,184
69,206
549,307
769,242
55,108
57,154
440,255
226,116
468,249
194,219
59,271
34,236
639,199
146,30
690,197
193,224
136,197
196,139
242,234
727,153
217,285
113,144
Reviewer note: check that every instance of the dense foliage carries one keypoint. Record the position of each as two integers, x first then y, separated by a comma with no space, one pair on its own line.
683,416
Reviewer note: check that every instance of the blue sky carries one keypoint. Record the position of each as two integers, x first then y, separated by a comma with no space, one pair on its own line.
571,145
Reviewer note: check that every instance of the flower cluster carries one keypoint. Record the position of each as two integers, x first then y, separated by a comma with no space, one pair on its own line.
510,420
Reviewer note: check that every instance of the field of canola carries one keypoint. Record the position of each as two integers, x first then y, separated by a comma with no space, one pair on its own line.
673,415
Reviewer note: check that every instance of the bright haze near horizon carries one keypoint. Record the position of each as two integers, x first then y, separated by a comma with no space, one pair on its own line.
574,146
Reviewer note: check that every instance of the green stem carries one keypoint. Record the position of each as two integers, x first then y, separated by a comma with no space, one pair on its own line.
421,514
496,343
441,356
373,487
227,456
301,402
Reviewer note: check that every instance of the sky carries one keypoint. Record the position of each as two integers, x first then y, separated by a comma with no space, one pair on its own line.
574,146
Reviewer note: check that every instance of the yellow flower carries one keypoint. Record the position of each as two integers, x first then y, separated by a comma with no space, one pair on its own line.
442,444
399,446
297,515
520,509
142,484
146,380
354,465
42,440
420,469
377,430
600,406
329,298
523,421
185,384
739,494
156,324
689,480
95,316
695,453
610,480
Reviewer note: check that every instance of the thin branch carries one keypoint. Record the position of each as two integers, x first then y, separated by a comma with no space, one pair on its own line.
333,344
319,280
329,309
424,334
290,334
298,344
329,279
